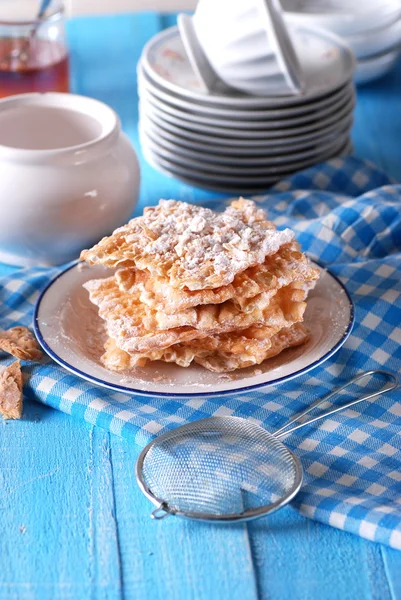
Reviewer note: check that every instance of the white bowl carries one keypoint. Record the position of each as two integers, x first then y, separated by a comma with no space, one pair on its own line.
239,42
376,41
375,67
68,176
344,17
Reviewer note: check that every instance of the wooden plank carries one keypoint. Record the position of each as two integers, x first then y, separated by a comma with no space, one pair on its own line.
175,559
301,559
377,128
392,567
104,551
59,531
44,518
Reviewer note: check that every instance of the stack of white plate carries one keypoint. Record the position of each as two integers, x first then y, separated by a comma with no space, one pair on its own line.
372,29
237,143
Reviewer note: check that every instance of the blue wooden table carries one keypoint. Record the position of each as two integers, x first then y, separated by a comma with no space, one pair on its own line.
74,525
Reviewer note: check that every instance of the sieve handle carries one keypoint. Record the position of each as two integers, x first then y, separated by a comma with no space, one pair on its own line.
392,383
160,512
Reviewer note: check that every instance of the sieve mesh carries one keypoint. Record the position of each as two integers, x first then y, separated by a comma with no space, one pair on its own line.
227,468
219,468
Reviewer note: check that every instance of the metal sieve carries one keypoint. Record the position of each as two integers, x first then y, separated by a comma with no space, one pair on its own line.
226,469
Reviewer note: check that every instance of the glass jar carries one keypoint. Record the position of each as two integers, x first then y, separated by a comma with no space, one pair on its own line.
33,54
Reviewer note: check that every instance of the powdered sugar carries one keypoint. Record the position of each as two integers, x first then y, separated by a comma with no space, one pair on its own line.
193,246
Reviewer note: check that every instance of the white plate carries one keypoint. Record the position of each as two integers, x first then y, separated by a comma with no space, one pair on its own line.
236,190
271,156
209,183
326,61
374,68
233,189
240,172
70,331
263,148
208,107
269,129
177,116
266,139
266,129
201,173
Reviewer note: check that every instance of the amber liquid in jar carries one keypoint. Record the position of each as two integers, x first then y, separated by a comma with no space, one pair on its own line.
45,68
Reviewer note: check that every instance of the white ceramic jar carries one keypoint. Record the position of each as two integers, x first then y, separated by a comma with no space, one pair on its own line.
68,176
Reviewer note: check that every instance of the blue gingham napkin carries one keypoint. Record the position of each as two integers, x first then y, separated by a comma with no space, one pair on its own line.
347,215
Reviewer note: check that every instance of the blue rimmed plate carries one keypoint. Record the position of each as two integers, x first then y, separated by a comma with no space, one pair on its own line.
70,331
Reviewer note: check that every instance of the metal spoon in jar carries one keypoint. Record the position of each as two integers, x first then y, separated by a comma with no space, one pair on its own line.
22,54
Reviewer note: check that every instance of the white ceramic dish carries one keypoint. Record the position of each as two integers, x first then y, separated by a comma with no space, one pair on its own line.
206,75
237,190
267,139
238,64
374,68
233,177
271,156
245,34
64,316
269,129
376,41
326,61
253,185
62,157
245,149
371,29
209,184
344,17
246,44
177,116
208,107
236,171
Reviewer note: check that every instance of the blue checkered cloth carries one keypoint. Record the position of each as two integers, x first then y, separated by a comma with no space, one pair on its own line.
347,215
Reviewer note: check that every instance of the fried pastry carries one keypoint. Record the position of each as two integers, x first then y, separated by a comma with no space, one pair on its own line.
277,271
225,290
248,352
21,343
138,328
221,354
11,391
190,246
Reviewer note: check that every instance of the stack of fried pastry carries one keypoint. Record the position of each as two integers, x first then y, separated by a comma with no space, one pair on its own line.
226,290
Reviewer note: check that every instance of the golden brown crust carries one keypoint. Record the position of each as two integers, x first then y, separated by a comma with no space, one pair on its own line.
21,343
190,246
253,354
11,391
226,290
277,271
138,329
220,354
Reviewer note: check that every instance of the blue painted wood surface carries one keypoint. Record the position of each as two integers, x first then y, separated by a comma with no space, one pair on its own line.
74,525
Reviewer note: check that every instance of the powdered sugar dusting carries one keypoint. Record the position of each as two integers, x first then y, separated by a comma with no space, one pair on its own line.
193,246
